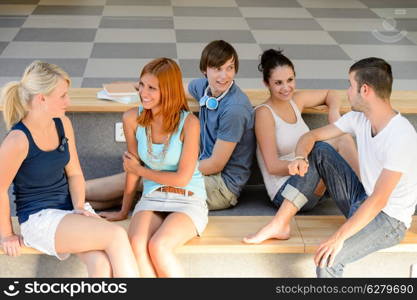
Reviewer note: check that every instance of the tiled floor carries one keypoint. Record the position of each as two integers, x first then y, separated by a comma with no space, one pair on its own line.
99,41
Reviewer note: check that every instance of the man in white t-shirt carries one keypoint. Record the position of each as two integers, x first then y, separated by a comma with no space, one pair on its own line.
378,206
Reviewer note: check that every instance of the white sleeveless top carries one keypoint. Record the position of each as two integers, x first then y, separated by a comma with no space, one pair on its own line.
286,136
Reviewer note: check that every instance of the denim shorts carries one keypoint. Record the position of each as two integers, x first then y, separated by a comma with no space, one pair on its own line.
194,207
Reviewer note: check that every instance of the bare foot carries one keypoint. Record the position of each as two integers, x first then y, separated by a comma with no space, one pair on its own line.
269,231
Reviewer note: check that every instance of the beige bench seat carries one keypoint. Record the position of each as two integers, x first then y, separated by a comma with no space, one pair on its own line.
224,234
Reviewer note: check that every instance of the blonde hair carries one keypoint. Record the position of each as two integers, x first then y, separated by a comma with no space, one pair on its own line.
38,78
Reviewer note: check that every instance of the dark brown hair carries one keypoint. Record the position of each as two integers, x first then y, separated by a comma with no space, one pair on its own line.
374,72
271,59
216,54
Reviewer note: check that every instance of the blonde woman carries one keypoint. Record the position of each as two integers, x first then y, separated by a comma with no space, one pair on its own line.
39,156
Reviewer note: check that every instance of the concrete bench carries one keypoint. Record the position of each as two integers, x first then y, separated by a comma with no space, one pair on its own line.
84,100
224,234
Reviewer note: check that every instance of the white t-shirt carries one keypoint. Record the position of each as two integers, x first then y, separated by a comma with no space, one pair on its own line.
393,148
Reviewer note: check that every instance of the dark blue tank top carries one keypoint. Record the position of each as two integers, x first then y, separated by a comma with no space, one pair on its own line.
41,181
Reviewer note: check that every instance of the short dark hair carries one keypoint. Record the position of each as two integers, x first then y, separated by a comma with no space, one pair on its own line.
374,72
271,59
216,54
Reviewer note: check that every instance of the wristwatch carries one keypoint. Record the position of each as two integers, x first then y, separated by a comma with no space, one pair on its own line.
301,158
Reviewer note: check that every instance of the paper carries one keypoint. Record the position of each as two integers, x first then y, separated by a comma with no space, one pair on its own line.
121,99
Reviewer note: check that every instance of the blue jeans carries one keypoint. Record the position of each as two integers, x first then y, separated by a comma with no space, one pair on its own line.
346,189
300,190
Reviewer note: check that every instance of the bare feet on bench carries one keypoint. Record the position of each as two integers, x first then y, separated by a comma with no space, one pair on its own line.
269,231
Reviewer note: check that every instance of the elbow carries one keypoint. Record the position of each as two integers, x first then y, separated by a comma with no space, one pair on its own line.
382,203
217,170
327,98
217,166
379,202
183,180
277,170
211,168
181,183
310,137
270,168
76,176
332,98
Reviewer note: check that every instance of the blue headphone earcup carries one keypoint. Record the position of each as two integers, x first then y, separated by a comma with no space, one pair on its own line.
212,103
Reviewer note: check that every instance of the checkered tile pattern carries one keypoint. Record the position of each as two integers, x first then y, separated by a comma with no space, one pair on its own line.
99,41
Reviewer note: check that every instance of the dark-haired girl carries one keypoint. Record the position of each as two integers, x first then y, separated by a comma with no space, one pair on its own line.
275,150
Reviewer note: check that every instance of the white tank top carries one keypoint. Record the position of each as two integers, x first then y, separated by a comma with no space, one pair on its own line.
286,136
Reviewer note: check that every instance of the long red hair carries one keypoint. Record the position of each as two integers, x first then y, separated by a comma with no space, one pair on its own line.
172,93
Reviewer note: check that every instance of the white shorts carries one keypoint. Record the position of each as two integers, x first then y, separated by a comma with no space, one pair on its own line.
39,230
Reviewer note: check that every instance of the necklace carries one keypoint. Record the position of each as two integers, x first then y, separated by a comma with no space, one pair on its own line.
158,157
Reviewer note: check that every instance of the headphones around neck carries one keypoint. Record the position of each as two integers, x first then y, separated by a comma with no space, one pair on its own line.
212,103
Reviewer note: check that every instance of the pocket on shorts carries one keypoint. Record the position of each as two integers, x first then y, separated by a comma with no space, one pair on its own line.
23,231
227,194
218,195
26,228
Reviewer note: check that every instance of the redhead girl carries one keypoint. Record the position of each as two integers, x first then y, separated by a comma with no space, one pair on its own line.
163,143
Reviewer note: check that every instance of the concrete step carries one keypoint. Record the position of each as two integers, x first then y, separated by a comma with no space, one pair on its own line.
220,265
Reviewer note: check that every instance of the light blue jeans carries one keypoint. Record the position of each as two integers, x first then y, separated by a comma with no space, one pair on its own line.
348,192
346,189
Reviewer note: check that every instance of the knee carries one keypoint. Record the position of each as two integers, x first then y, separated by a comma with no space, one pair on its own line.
320,150
118,234
330,272
345,142
139,246
323,272
158,247
320,146
99,265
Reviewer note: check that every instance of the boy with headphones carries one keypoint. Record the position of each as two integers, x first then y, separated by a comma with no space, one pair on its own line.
227,140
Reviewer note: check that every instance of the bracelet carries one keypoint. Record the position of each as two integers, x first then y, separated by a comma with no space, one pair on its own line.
301,158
